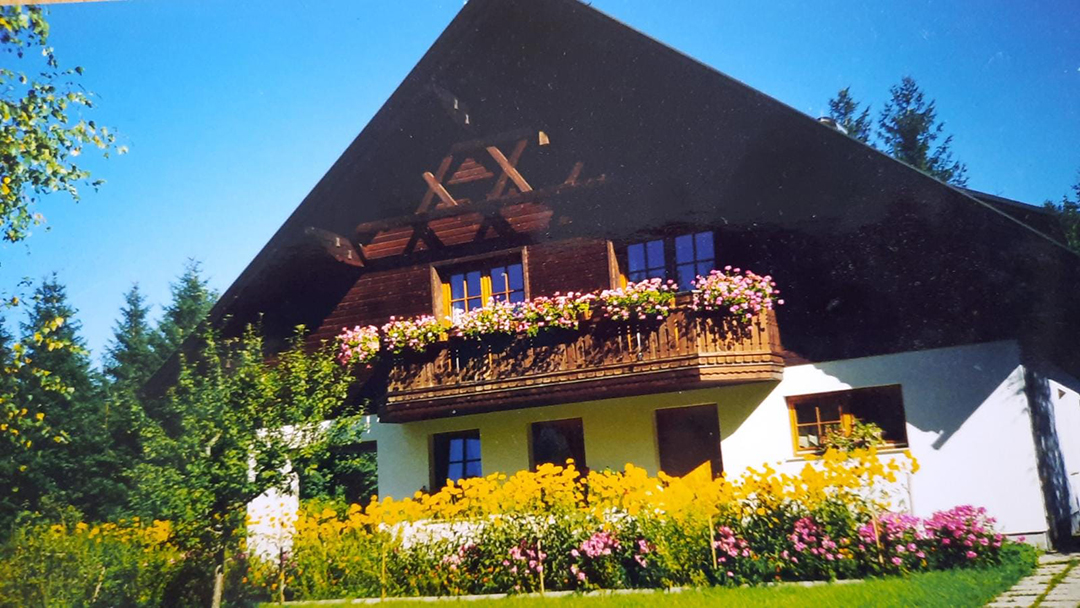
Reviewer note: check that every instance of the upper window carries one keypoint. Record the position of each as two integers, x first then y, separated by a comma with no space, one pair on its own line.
679,258
456,456
556,441
815,416
469,288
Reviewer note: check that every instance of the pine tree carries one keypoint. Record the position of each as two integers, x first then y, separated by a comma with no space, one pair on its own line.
130,358
81,470
844,110
908,129
191,301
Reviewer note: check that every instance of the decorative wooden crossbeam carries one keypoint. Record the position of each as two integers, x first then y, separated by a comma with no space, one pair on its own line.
442,219
365,230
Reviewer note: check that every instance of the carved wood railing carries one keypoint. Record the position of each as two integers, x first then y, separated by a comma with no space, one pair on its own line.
602,359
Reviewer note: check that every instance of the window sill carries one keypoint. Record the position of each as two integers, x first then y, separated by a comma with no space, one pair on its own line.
884,450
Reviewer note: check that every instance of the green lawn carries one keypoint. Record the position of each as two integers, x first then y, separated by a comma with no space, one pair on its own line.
949,588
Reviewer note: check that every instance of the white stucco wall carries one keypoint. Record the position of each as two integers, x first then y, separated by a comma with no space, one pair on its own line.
967,423
1065,398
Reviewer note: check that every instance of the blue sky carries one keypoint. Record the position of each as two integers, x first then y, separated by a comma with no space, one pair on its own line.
233,110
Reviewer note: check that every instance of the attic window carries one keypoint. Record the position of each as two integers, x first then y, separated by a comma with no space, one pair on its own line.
469,287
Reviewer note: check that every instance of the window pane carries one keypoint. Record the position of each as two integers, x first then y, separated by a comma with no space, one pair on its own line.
635,260
808,437
884,407
686,276
472,468
517,296
829,410
703,244
657,273
516,276
557,441
457,450
475,303
704,268
455,471
684,249
805,413
472,448
457,286
499,279
472,283
654,254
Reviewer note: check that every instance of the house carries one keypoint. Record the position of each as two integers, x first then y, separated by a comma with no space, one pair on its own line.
540,147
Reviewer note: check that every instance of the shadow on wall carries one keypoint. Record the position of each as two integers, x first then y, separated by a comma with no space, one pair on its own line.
937,407
1052,470
739,402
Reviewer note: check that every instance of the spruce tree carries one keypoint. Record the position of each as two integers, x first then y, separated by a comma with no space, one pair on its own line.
844,110
908,130
129,362
82,469
191,301
130,358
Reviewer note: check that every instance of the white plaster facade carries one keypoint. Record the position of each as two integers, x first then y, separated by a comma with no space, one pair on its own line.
967,413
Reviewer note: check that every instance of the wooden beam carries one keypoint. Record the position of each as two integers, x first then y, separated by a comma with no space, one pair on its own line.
575,173
509,170
369,229
437,188
439,175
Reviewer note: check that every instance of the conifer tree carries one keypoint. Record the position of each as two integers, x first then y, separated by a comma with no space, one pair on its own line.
909,130
191,301
1067,216
130,358
80,469
844,110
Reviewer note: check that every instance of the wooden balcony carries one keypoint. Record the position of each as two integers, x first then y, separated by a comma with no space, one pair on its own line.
603,359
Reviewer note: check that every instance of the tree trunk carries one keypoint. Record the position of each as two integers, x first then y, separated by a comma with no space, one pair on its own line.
219,579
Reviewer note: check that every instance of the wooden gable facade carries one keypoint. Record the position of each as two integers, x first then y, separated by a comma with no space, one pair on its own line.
545,132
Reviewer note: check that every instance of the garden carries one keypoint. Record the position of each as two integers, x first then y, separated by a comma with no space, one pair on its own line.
557,530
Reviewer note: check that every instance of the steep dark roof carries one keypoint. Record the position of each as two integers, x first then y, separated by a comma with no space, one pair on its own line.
679,139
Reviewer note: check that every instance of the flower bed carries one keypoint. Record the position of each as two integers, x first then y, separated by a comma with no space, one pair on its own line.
77,564
743,296
555,529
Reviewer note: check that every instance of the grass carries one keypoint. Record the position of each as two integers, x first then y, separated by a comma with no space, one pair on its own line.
958,588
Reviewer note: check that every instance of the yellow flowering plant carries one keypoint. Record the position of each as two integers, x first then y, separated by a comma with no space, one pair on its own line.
74,563
554,528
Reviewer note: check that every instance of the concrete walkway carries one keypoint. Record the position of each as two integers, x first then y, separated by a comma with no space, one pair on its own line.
1054,584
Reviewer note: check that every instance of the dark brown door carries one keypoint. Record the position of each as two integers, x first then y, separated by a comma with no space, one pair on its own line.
688,437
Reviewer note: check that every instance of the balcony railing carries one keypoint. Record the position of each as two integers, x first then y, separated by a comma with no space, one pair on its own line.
602,359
